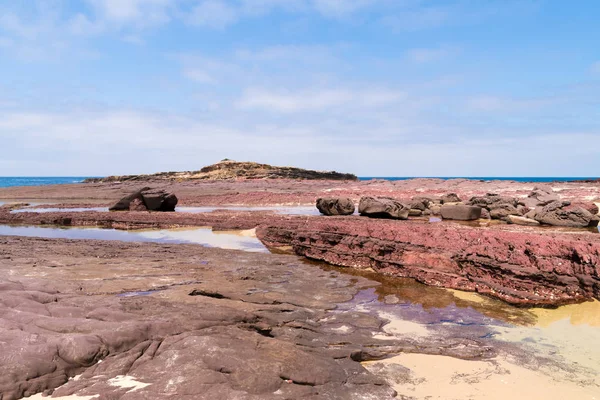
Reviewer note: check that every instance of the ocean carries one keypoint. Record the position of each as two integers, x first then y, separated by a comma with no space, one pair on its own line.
486,178
9,181
54,180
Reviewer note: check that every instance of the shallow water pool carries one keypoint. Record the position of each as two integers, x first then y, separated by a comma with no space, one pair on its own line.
234,240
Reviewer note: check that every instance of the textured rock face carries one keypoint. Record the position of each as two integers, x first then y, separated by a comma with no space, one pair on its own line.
383,207
542,195
228,169
147,199
518,267
336,206
461,212
450,198
563,214
272,344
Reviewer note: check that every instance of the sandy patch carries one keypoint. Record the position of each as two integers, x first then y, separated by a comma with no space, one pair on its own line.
445,378
127,382
400,327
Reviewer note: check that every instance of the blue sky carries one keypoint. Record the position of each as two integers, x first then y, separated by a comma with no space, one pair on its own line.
374,87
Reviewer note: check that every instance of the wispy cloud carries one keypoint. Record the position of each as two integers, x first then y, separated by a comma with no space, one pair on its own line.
316,100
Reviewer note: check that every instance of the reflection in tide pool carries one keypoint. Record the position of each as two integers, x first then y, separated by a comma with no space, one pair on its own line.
243,240
299,210
561,345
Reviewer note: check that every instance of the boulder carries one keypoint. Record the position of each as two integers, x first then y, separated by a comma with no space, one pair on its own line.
461,212
563,214
542,195
383,207
517,220
450,198
413,212
591,207
492,200
336,206
503,210
147,199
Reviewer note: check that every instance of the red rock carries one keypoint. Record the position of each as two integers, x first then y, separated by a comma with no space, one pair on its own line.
528,268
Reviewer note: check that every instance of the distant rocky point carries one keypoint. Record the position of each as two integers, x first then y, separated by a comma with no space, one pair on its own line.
229,169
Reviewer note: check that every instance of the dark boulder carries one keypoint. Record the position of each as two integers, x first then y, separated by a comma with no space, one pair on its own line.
147,199
461,212
383,207
336,206
563,214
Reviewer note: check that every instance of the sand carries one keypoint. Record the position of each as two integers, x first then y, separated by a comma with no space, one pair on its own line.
446,378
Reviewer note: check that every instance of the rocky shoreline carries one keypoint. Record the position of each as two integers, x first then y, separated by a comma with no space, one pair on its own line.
269,326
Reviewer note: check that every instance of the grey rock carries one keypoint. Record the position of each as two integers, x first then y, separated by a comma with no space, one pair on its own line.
383,207
461,212
336,206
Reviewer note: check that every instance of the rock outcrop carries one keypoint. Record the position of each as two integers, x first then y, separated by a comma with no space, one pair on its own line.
526,268
383,207
147,199
336,206
228,169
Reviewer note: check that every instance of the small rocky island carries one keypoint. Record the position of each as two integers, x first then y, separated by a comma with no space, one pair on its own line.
229,169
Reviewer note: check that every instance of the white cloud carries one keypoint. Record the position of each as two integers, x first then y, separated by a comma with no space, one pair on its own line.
160,142
316,100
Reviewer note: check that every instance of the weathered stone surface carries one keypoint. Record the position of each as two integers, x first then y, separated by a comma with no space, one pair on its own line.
336,206
383,207
518,220
543,195
450,198
518,267
257,341
461,212
503,210
563,214
147,199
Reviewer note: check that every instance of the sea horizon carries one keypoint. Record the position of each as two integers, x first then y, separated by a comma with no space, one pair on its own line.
13,181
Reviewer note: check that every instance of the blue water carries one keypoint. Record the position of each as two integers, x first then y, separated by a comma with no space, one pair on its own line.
9,181
485,178
55,180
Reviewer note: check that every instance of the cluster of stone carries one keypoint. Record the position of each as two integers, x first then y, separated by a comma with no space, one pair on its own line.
541,206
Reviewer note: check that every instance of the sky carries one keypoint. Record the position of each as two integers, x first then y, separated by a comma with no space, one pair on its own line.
372,87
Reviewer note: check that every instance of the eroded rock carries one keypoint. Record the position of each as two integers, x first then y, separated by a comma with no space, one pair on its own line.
336,206
383,207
